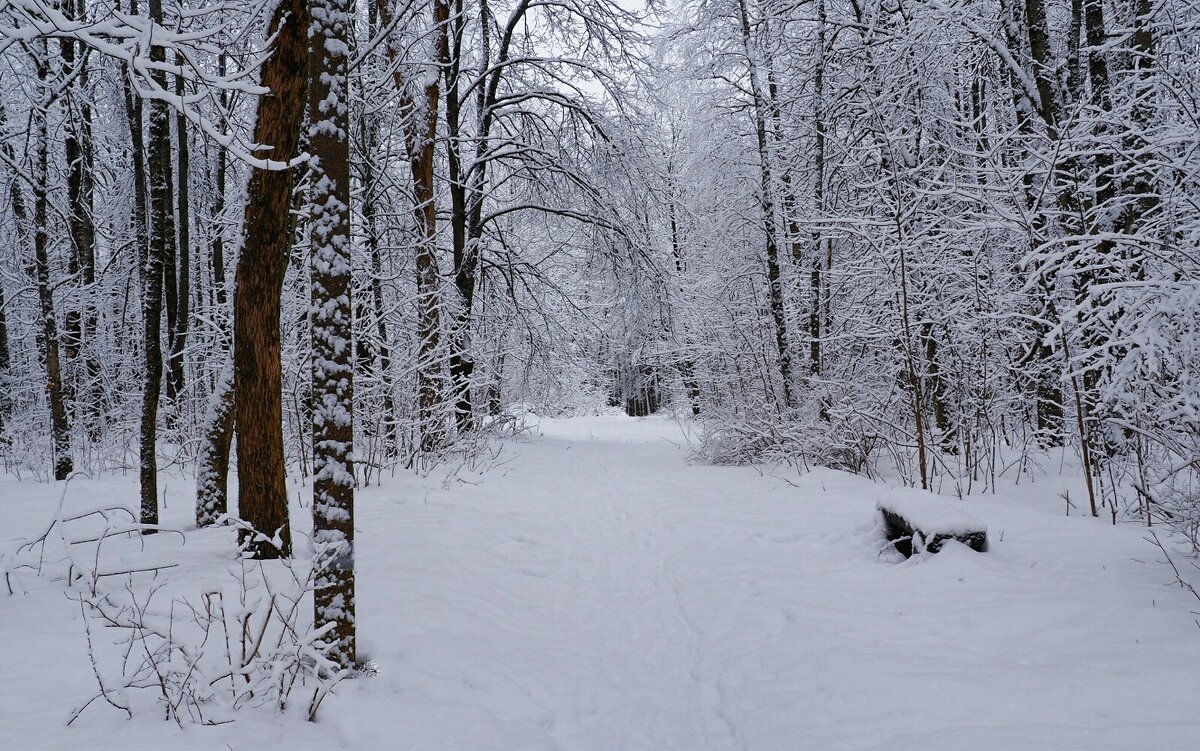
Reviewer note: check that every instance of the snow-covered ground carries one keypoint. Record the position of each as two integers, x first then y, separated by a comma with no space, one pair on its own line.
597,592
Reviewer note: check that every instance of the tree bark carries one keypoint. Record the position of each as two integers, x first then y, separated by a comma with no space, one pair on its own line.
212,464
815,263
178,342
332,361
48,341
217,246
159,261
258,286
420,130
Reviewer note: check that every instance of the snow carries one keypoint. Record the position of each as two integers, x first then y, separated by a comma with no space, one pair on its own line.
596,591
931,514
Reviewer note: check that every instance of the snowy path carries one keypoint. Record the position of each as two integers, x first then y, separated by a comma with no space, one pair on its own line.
599,593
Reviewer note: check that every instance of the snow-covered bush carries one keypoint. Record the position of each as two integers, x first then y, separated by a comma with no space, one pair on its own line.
201,660
156,644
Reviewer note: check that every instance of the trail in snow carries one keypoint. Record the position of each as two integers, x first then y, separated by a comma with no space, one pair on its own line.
597,592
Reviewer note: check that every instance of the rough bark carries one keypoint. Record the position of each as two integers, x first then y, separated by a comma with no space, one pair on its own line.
159,261
258,286
21,218
332,306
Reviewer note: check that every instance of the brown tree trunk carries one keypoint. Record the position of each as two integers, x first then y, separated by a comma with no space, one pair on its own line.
258,286
420,135
332,306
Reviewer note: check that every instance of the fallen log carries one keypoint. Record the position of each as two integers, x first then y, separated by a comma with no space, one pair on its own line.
919,522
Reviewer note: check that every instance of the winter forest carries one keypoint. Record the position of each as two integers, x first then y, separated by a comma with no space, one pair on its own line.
600,374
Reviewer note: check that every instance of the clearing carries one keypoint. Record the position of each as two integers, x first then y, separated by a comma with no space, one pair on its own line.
595,591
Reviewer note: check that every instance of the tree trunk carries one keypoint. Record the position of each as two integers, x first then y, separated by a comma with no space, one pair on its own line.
1048,396
77,145
212,463
21,219
258,286
217,245
774,282
420,136
371,239
179,335
332,362
48,342
461,364
815,263
159,261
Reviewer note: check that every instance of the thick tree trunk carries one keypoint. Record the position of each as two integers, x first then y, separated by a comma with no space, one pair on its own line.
77,145
687,366
332,362
258,285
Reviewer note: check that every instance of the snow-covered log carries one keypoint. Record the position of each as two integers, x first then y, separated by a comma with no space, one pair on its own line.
919,521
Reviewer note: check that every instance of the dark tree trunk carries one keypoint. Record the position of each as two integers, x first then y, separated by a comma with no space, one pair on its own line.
77,145
258,286
159,262
461,365
332,362
179,334
218,211
48,342
774,281
1047,390
21,219
815,263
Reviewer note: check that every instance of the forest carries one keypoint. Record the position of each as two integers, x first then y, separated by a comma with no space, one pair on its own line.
764,266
